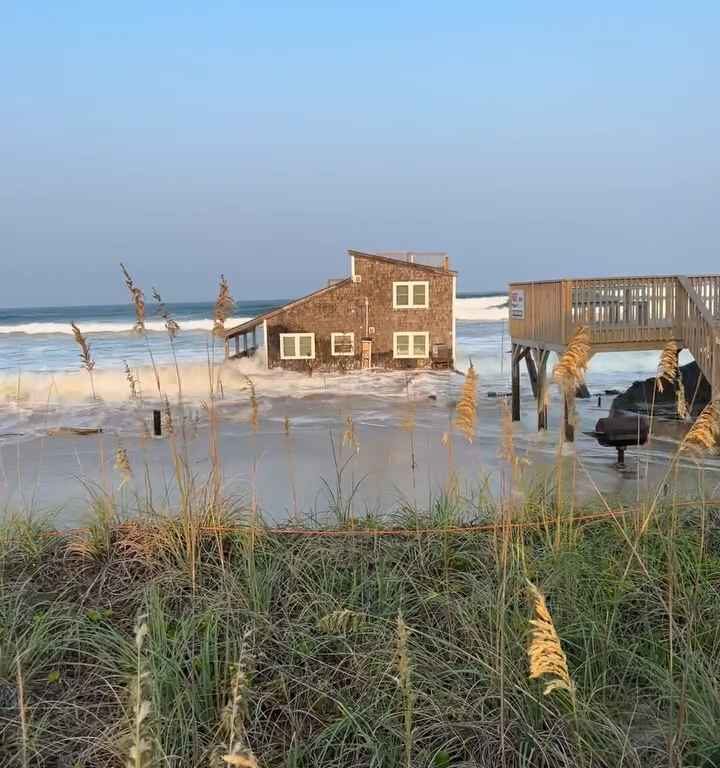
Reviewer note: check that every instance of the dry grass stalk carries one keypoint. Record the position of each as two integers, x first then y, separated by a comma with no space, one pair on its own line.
507,444
341,622
545,653
669,372
569,372
171,325
466,409
138,299
667,366
681,400
349,438
122,465
132,381
22,709
704,435
140,753
85,355
408,422
169,425
238,751
224,305
404,672
254,411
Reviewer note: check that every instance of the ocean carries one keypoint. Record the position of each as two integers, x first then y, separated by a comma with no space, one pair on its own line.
43,387
40,364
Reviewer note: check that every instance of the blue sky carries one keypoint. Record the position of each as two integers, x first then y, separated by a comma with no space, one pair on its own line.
529,140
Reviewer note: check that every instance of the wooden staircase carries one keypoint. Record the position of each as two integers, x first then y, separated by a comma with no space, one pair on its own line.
622,314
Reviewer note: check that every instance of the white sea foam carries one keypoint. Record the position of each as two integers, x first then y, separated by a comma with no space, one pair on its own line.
39,329
484,309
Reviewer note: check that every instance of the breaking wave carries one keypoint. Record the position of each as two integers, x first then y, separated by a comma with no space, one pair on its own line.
485,309
49,329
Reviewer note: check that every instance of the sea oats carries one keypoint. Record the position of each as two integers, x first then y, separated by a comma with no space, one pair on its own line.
140,752
404,679
349,438
237,751
466,409
138,299
224,305
85,355
122,464
132,381
545,654
171,325
667,366
704,435
569,372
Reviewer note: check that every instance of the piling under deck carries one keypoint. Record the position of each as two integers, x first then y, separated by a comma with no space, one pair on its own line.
621,314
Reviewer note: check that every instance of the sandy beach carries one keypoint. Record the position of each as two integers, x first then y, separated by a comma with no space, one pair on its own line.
295,475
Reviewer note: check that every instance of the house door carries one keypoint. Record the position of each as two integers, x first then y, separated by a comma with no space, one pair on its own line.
366,353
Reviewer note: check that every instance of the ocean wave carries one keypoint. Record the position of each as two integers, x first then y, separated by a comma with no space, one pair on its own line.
156,326
488,309
485,309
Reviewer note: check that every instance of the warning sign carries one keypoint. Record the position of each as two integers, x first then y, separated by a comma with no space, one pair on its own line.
517,304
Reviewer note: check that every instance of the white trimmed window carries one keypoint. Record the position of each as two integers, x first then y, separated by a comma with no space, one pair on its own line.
297,346
411,345
411,295
342,344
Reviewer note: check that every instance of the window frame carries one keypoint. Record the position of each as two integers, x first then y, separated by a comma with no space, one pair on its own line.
297,336
334,335
410,286
411,345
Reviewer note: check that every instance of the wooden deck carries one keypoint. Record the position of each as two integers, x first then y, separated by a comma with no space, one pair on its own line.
622,314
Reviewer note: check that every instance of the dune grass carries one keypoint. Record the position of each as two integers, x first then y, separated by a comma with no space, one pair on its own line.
364,650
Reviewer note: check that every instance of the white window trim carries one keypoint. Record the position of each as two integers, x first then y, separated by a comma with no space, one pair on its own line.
333,336
410,284
411,355
297,336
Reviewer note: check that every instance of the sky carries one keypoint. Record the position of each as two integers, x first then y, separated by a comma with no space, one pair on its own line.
262,140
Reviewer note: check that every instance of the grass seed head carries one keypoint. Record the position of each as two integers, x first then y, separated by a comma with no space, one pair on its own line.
85,354
138,299
667,366
224,305
466,408
171,325
569,372
545,654
704,435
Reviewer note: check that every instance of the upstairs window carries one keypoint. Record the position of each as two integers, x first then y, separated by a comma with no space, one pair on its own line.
343,344
411,345
411,295
297,346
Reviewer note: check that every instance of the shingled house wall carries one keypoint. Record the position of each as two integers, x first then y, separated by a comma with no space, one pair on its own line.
341,309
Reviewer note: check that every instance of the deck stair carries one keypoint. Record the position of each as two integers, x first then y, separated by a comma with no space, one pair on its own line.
622,314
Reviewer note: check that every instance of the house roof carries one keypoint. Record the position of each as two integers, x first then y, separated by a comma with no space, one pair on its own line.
405,261
260,319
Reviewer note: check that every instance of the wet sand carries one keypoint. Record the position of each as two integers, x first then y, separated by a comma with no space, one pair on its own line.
296,475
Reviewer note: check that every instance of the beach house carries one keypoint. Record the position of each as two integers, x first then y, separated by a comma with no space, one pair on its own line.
395,311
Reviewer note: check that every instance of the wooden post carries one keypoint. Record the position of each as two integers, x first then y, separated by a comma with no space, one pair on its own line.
237,346
542,358
568,428
157,423
532,371
515,374
254,341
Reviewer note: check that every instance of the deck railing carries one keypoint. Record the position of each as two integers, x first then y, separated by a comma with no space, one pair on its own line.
639,312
